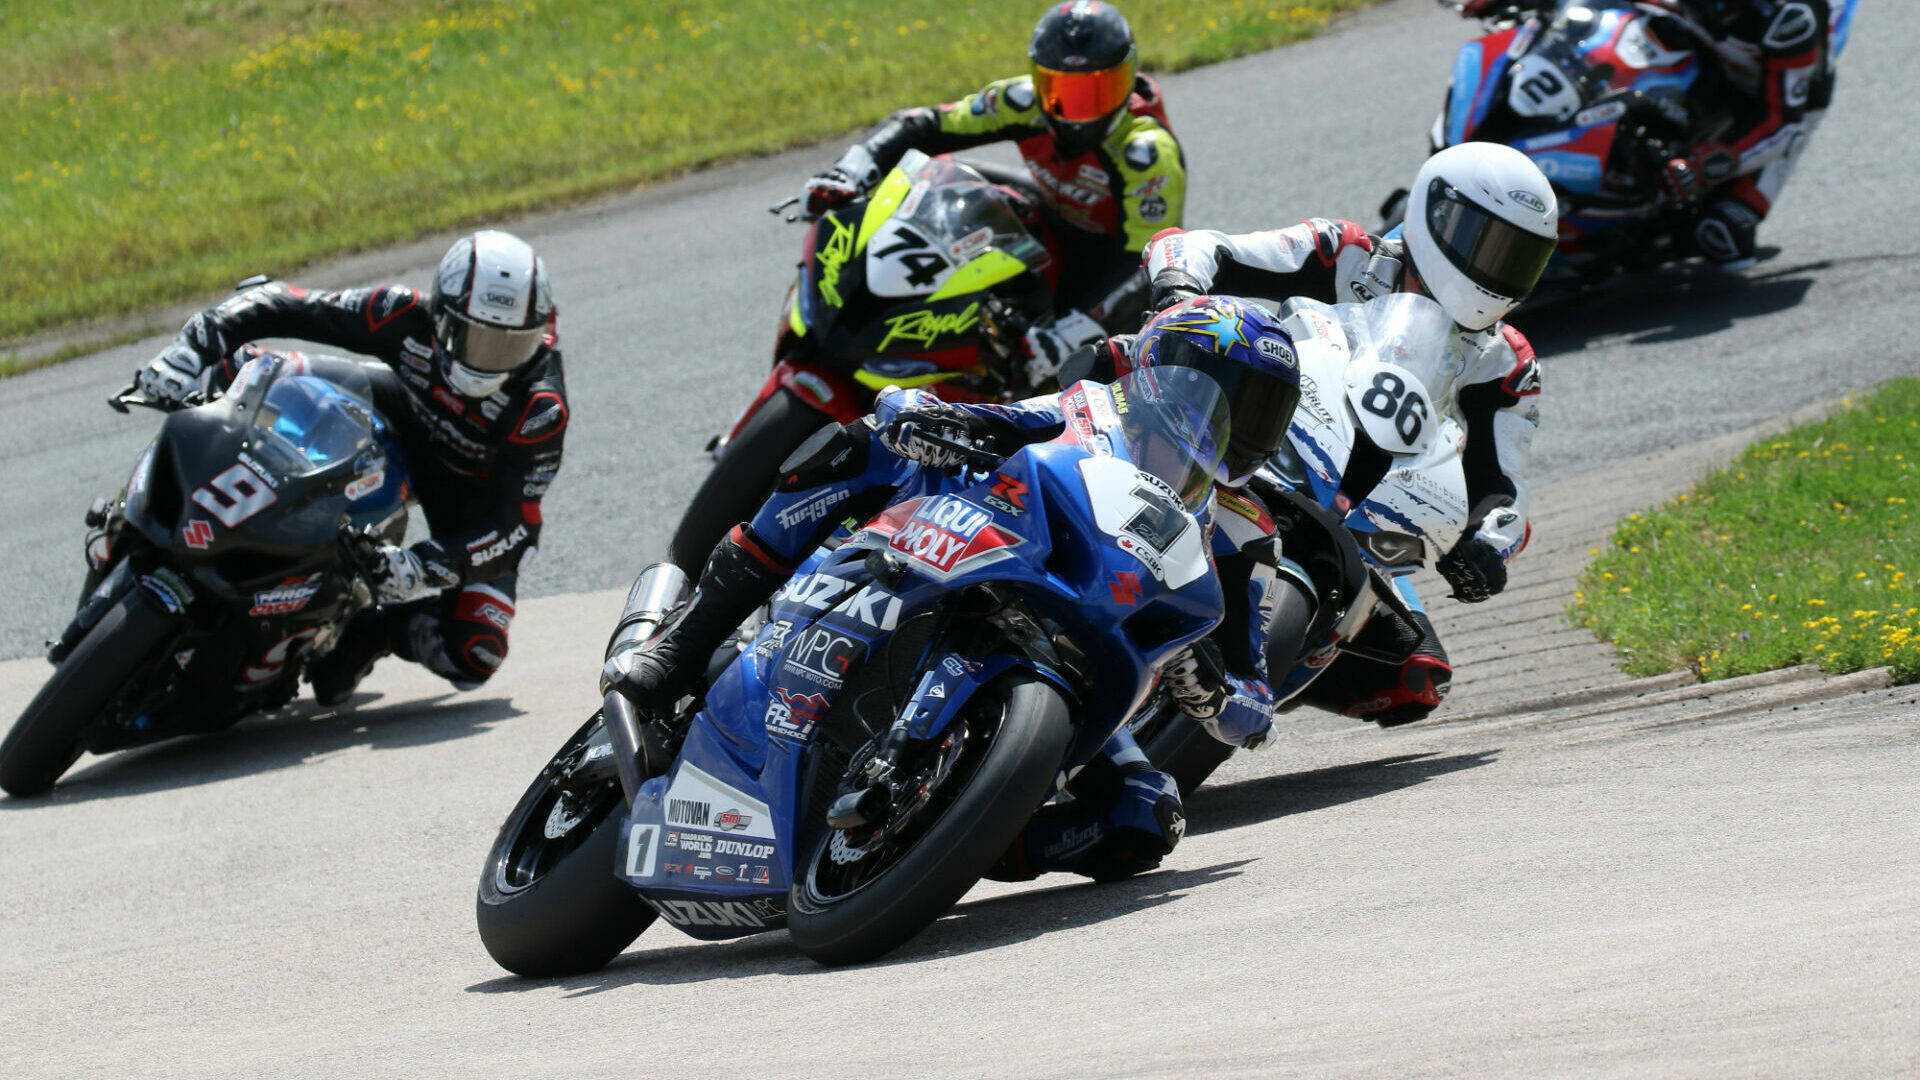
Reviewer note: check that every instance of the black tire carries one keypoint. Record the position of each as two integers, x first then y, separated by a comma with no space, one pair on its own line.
52,732
743,477
1179,746
548,908
981,820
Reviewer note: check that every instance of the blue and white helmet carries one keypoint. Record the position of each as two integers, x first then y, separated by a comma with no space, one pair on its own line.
491,308
1243,348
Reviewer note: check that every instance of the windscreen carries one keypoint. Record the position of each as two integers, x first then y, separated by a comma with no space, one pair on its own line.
1410,332
307,423
1174,424
959,209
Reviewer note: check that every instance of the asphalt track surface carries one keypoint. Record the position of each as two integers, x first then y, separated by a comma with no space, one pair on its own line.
1649,888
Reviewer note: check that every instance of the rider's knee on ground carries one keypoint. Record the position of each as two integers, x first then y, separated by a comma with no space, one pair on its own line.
465,641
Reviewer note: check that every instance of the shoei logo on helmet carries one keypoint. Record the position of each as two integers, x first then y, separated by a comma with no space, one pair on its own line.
1529,200
1275,350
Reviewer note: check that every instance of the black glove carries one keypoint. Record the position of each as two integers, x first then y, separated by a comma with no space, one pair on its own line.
1172,286
1474,568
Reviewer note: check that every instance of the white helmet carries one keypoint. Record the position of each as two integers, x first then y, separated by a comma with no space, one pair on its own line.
1481,223
490,307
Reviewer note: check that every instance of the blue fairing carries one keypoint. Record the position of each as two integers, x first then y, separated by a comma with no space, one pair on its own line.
1472,95
713,843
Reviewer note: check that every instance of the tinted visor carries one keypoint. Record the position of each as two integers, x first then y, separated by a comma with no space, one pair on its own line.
487,348
1495,254
1260,403
1079,97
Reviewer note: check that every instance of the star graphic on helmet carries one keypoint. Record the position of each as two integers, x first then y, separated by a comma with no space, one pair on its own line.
1222,326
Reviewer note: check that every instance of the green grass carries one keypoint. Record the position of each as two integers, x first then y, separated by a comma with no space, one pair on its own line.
153,150
1799,552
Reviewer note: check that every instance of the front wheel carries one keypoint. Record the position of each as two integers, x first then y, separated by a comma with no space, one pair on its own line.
743,477
52,733
857,894
549,902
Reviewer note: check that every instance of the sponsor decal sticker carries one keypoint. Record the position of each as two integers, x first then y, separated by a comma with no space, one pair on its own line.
287,597
198,534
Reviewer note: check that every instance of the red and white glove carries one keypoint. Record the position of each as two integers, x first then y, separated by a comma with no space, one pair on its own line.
849,178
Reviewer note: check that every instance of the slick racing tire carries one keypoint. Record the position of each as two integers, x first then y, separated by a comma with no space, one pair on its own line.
1177,745
743,477
551,905
53,731
1016,733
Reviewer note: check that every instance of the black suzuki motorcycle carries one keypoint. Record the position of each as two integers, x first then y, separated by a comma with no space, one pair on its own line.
230,559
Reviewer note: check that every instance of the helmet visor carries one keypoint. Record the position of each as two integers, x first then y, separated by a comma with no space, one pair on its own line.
1261,403
488,348
1079,97
1495,254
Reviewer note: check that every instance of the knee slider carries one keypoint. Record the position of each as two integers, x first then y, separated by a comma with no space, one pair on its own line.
835,452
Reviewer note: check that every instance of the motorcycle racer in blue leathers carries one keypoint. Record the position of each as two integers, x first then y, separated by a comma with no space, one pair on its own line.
1126,815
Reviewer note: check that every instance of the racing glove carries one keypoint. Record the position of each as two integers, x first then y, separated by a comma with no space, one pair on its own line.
402,574
1198,680
910,420
1048,346
173,377
849,178
1475,569
1172,286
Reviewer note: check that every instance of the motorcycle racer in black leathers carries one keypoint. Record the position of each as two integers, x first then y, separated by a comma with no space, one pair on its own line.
1103,160
477,397
1126,814
1774,74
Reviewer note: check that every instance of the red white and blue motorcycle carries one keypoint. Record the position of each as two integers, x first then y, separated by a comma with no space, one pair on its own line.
1601,94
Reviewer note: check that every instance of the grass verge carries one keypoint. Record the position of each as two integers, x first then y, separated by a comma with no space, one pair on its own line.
1798,552
157,149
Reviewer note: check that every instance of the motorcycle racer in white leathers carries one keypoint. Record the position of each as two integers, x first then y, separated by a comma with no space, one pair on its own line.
1481,224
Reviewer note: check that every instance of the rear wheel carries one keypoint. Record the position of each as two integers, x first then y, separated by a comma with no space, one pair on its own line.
1179,746
743,477
859,893
53,731
549,902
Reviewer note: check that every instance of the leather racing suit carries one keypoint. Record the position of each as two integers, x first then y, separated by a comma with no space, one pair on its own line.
480,467
1103,202
1135,817
1496,398
1776,73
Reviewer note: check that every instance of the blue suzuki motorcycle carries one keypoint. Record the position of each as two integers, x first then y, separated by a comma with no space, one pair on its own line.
915,692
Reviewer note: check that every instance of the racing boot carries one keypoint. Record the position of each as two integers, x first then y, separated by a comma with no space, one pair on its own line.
1141,825
1414,690
371,635
739,576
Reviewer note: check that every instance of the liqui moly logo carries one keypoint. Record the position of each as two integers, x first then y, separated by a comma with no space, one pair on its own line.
946,533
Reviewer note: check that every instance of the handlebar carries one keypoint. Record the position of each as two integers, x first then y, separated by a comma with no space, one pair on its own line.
981,455
131,394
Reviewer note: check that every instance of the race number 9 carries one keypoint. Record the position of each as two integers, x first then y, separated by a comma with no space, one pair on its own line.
235,495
